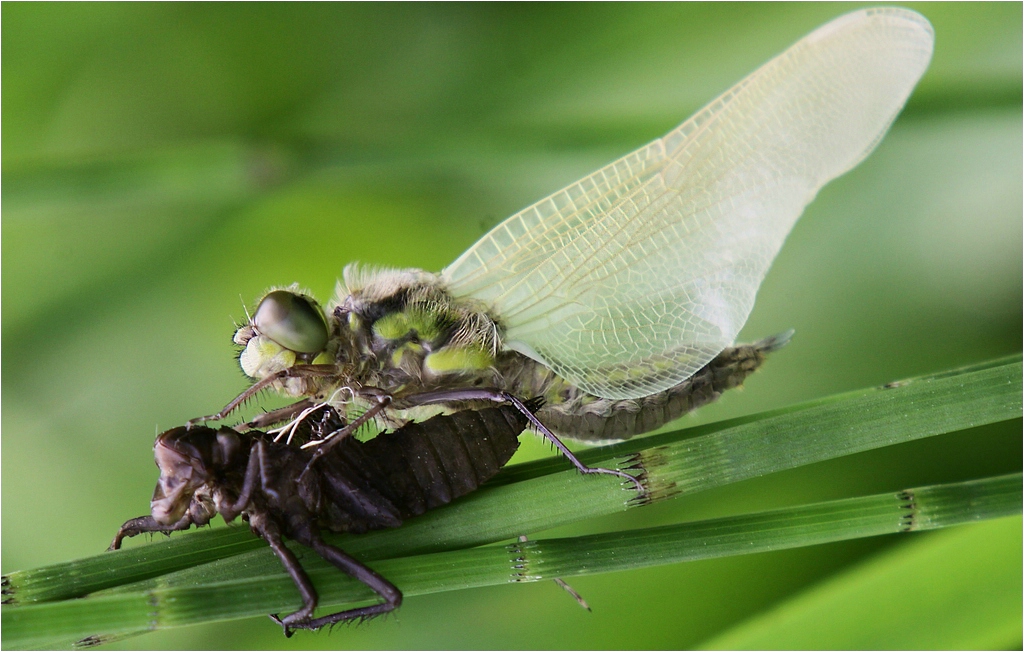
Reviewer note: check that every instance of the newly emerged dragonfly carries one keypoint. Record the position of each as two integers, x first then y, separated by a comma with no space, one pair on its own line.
285,491
617,299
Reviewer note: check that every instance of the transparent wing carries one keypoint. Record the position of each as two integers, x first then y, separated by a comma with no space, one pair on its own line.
633,278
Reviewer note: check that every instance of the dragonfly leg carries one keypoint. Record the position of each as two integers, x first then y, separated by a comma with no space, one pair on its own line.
268,530
298,371
356,570
499,396
580,466
277,416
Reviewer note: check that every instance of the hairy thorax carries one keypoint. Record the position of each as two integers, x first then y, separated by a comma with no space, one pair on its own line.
398,332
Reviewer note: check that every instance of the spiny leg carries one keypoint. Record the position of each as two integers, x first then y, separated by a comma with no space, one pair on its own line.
580,466
298,371
268,530
356,570
277,416
497,396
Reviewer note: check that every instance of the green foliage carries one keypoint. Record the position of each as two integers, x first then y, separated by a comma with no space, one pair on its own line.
957,589
189,585
161,160
243,591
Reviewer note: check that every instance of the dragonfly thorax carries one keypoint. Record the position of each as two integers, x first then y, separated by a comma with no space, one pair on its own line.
398,331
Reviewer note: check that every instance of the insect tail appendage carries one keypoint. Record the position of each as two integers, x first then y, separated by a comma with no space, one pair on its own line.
773,343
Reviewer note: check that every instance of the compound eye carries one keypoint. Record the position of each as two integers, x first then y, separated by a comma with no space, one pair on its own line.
293,321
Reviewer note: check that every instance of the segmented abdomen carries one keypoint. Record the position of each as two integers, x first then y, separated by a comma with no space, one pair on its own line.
584,417
378,483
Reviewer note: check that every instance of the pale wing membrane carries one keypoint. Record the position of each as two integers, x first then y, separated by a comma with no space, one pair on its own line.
630,280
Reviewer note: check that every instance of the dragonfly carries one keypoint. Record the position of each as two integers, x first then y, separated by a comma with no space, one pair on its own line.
618,299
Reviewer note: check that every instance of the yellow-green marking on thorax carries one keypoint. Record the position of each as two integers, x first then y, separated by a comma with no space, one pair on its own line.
427,326
456,359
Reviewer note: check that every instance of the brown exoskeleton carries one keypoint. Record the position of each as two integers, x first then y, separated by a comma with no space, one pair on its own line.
347,485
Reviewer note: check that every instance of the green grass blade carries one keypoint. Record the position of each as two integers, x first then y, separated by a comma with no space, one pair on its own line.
829,427
958,589
546,496
169,605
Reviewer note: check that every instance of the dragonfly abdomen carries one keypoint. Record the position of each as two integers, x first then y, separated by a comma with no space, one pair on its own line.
589,418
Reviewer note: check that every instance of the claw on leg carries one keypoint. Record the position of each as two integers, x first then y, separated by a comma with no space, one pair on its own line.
303,618
288,632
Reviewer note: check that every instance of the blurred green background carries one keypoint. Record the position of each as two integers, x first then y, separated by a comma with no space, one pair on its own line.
163,164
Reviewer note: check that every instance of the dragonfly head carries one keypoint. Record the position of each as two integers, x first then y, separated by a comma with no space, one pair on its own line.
191,461
287,327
